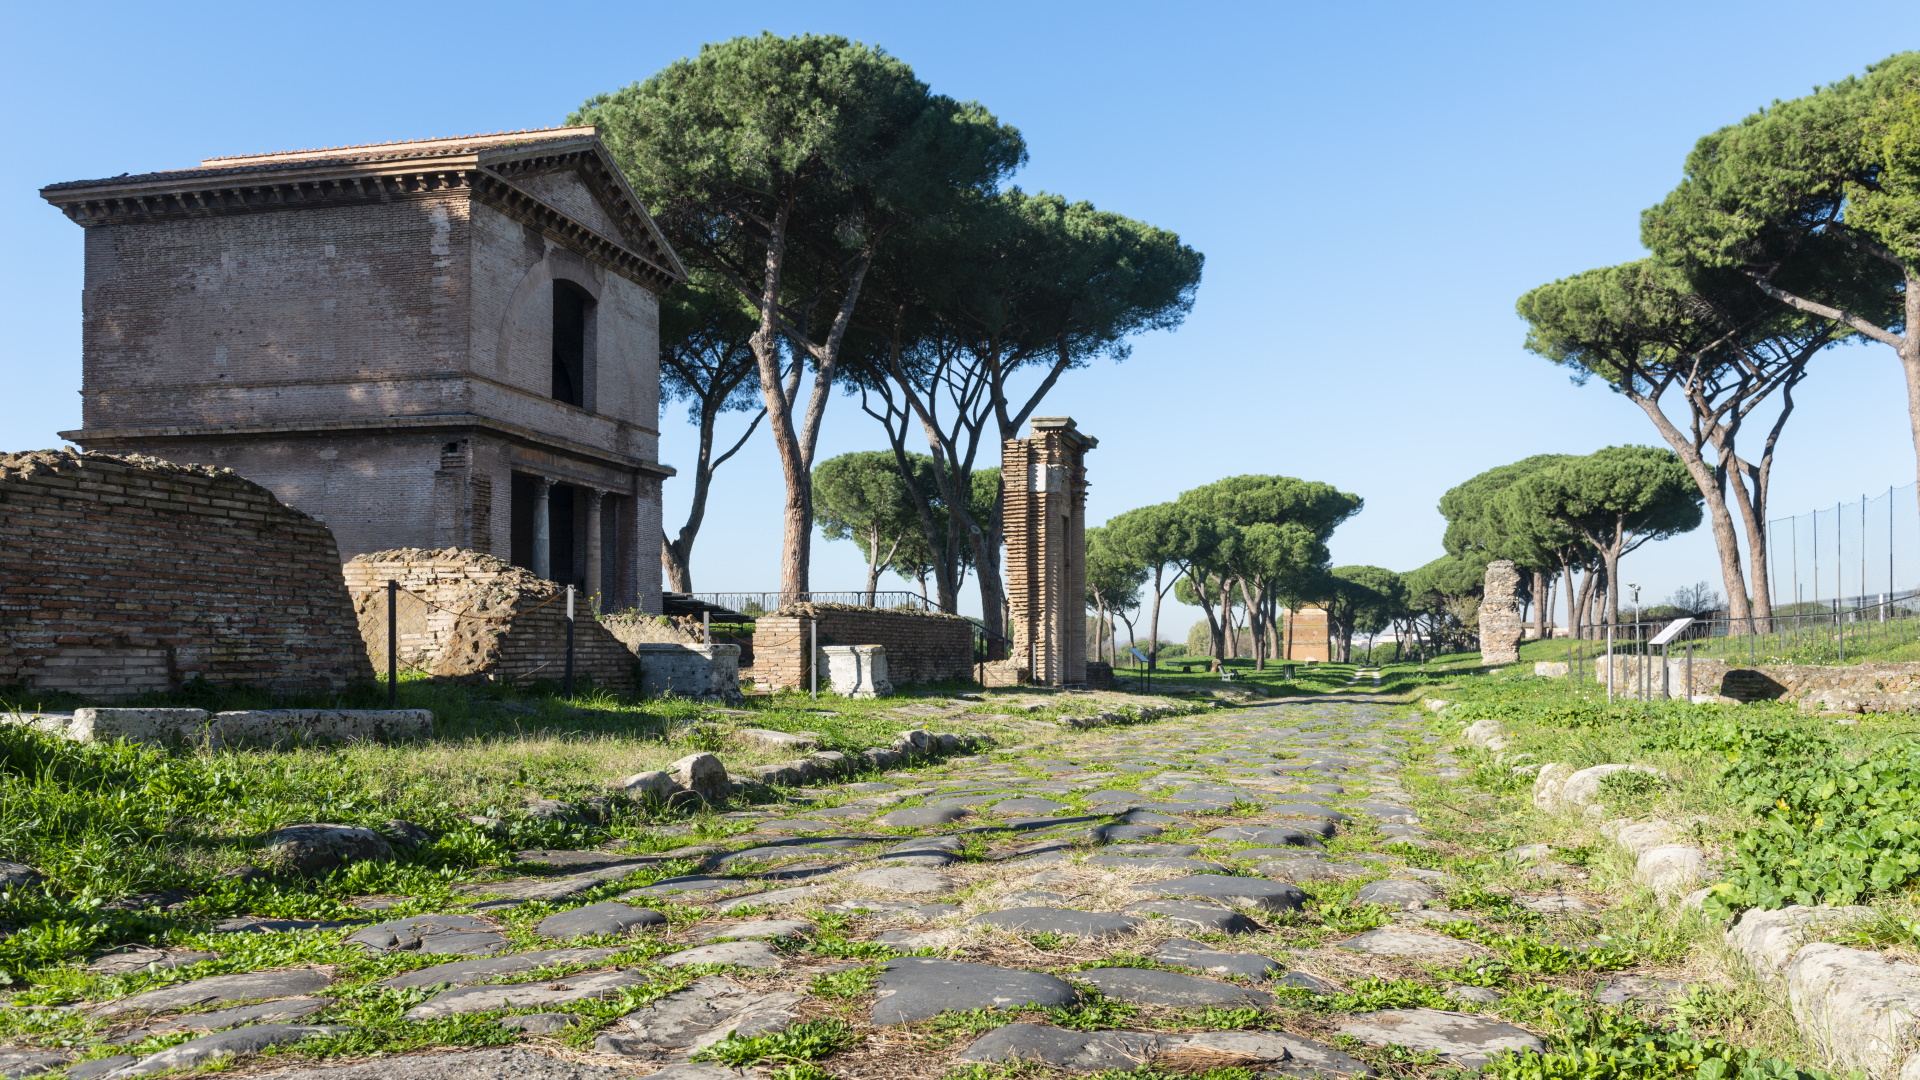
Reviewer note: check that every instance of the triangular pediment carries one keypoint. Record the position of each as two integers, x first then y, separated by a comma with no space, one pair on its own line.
582,182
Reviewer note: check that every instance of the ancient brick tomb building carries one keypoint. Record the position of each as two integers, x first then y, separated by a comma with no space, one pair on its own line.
444,343
125,575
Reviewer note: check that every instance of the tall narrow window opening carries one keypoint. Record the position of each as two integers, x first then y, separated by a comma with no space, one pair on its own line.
571,306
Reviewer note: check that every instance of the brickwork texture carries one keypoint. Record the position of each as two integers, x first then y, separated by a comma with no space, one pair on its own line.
125,574
467,615
921,646
1044,487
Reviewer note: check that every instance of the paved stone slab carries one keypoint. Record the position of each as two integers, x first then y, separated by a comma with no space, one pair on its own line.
539,1023
1151,986
245,986
759,929
1400,894
777,898
1235,891
492,1063
18,1063
690,883
1197,914
922,815
690,1020
1193,954
1028,805
472,999
1178,866
143,958
1388,941
1267,834
452,935
911,880
468,972
1459,1038
1051,920
1080,1051
263,1012
606,917
240,1042
1154,851
748,954
916,987
1118,833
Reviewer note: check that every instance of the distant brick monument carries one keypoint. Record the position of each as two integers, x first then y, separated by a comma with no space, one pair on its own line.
1044,481
443,343
1500,624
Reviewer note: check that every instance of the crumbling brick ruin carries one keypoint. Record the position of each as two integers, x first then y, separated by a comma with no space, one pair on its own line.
123,575
1044,483
921,646
469,615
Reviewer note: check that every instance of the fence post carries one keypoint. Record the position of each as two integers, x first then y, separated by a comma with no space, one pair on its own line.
1609,663
813,658
393,644
568,685
1689,672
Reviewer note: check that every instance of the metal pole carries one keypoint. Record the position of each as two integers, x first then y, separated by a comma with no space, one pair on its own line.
568,685
706,628
393,644
1666,688
1689,672
1609,663
813,659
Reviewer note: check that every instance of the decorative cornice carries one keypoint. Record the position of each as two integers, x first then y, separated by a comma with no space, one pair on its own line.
387,425
253,192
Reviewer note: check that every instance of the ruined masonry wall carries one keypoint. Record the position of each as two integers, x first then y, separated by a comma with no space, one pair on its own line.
483,618
122,575
921,646
1500,626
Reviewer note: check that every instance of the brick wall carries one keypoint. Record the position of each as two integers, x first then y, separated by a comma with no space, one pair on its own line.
466,615
1306,635
125,574
921,646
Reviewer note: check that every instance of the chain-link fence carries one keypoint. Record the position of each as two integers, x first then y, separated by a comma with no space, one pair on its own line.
1854,555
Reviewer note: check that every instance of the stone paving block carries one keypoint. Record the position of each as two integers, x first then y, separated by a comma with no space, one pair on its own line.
470,999
467,972
1151,986
690,1020
915,988
606,917
1197,914
244,986
237,1043
1388,941
1235,891
1193,954
1460,1039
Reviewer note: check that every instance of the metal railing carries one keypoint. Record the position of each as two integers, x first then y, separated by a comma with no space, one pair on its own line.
759,603
1845,632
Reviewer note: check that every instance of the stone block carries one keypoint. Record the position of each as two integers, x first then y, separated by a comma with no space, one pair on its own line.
702,774
698,672
1551,669
250,727
857,671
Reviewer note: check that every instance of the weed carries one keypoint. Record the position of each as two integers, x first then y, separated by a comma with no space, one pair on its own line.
851,983
804,1041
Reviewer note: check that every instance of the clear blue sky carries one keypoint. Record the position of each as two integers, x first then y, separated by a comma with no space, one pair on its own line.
1372,185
